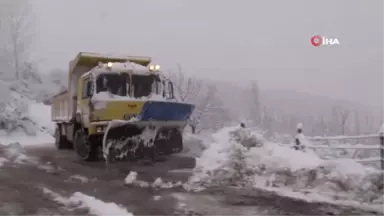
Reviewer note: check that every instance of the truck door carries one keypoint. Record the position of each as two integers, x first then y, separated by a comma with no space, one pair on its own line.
85,95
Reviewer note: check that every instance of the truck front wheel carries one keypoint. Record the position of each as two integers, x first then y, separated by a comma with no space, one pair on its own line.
84,148
176,141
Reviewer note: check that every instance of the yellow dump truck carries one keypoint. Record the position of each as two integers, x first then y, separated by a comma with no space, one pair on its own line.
118,106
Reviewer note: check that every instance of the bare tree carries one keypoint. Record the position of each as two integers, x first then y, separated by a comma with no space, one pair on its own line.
357,125
341,114
369,124
321,126
209,112
255,106
187,88
267,121
16,35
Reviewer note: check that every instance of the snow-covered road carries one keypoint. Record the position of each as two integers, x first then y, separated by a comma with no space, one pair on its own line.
42,180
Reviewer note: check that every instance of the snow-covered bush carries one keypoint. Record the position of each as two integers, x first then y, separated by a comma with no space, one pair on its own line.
223,161
247,137
36,87
14,109
15,106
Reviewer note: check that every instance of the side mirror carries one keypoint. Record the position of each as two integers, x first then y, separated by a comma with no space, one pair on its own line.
89,89
164,88
170,90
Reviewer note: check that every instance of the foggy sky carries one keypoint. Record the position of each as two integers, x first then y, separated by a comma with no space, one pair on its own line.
237,41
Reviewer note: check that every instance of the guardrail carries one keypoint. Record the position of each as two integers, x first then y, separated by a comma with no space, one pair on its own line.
379,136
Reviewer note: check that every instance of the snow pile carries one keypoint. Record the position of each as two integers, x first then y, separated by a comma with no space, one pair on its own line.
15,153
93,205
131,179
160,184
242,157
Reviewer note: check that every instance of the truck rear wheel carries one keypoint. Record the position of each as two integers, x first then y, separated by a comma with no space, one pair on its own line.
85,150
61,141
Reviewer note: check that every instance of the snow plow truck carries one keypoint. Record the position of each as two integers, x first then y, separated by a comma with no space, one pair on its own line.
119,107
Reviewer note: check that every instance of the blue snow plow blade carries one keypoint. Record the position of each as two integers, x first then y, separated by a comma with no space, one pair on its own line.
166,111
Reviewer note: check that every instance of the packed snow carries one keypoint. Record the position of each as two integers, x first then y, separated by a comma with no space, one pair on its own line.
242,157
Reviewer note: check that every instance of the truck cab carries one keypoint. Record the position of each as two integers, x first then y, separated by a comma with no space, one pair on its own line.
108,94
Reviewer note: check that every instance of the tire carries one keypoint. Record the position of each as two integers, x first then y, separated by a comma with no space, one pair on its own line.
61,141
84,149
177,141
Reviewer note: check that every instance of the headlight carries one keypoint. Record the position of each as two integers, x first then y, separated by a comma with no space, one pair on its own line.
109,64
154,67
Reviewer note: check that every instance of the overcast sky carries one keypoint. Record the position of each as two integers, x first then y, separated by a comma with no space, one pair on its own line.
239,41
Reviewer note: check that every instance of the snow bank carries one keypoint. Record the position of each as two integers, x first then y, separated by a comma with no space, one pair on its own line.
242,157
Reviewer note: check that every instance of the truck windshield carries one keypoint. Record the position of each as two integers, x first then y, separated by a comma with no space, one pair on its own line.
114,83
143,85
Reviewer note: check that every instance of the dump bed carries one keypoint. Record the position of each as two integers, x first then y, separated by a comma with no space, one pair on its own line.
60,109
63,104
